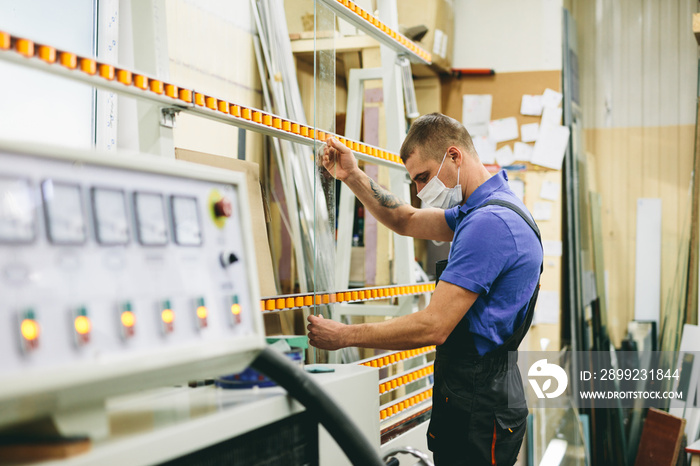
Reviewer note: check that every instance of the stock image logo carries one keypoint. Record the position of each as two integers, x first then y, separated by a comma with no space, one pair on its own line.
541,369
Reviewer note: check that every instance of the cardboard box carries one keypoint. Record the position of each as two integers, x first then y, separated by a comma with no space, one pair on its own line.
438,17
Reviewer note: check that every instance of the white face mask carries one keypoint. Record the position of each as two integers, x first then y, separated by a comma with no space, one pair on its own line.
437,195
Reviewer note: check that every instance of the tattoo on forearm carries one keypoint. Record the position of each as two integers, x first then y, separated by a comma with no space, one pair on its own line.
384,197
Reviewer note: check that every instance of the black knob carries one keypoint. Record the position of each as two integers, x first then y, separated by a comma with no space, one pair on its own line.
227,259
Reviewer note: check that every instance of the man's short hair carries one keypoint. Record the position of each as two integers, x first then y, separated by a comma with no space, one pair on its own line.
433,134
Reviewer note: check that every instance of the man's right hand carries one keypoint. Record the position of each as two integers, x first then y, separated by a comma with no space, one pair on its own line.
338,159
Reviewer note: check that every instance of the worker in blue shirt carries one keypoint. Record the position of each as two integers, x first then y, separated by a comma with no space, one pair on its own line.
484,300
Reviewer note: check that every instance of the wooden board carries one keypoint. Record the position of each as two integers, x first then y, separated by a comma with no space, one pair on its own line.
661,439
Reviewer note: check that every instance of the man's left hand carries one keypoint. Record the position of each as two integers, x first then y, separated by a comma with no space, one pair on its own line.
325,333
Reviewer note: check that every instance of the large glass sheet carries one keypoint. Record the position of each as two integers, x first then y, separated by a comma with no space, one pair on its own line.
36,106
324,184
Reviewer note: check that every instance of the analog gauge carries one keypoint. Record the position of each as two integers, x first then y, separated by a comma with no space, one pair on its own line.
17,215
150,219
185,212
65,218
109,211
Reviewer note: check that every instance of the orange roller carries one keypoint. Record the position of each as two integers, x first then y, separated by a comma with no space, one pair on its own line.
326,299
69,60
171,91
267,119
124,77
353,7
363,148
299,301
312,133
374,363
385,361
211,102
157,86
365,15
234,110
382,414
246,113
317,299
46,53
270,305
141,82
5,41
354,295
89,66
185,95
304,131
26,47
295,128
262,305
223,106
286,126
289,302
257,117
402,406
361,295
279,303
277,123
199,99
308,300
343,141
333,298
392,358
394,383
321,136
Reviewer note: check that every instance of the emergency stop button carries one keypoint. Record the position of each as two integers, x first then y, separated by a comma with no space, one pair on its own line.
223,208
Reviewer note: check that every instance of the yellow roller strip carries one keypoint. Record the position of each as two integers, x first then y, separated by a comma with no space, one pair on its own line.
376,23
186,97
393,358
400,381
302,300
396,408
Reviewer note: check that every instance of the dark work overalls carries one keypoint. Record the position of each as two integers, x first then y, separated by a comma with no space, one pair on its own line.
479,407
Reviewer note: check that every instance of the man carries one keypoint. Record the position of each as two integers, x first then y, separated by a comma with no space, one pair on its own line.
483,302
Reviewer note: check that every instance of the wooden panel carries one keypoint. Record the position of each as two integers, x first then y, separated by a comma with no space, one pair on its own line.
673,152
661,439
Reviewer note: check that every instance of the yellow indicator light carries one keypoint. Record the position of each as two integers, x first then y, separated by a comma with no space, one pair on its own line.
5,40
29,329
168,316
89,66
69,60
235,309
25,47
46,53
128,319
82,325
202,312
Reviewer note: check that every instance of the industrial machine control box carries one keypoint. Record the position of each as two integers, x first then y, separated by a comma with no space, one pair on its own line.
119,273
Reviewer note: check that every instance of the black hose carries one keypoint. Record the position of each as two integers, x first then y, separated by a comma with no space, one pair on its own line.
319,405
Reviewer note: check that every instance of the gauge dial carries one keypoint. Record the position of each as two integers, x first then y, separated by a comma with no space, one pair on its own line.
185,211
65,218
111,221
150,219
17,214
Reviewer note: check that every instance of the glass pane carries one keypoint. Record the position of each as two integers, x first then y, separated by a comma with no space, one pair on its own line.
41,107
324,195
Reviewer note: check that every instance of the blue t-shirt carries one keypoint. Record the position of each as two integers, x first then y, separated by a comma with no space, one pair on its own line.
497,255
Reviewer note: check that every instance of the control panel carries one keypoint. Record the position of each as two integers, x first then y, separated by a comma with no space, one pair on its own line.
119,273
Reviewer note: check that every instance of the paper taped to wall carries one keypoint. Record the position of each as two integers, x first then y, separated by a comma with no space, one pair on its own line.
531,105
529,132
551,146
504,129
486,148
476,113
522,152
504,156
